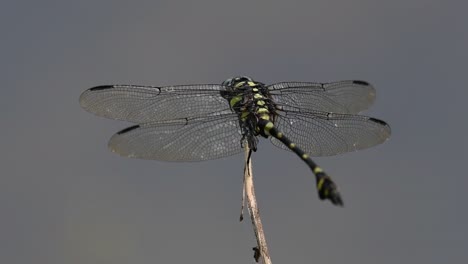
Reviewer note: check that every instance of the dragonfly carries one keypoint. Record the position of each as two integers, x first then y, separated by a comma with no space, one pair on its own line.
198,122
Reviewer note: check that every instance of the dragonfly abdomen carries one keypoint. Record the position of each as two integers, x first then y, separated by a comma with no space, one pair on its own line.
326,187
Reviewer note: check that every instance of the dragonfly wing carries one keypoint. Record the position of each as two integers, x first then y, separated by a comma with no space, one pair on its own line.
327,134
194,139
346,97
145,104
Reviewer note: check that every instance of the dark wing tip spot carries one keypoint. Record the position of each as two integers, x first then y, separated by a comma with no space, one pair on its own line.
101,87
123,131
361,82
378,121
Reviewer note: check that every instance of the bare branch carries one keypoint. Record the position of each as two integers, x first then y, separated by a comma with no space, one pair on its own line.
262,249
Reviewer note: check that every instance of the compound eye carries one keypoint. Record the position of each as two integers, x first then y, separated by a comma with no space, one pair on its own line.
227,82
247,79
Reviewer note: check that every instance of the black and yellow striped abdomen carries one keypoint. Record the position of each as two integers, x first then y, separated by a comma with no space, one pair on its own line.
327,189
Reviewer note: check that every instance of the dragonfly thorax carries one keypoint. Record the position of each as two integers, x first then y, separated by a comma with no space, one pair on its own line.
252,102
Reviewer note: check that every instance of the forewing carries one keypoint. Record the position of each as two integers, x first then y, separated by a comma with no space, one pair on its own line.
181,140
327,134
144,104
346,97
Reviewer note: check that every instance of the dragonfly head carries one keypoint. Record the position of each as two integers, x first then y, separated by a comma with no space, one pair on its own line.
238,81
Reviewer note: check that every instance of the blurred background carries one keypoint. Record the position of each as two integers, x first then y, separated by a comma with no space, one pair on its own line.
64,198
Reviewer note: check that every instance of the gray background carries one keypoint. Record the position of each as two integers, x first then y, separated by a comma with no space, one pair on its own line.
64,198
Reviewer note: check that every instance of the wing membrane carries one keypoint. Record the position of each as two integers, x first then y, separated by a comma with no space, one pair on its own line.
181,140
144,104
346,97
327,134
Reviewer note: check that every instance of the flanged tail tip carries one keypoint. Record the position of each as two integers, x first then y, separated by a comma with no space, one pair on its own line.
327,190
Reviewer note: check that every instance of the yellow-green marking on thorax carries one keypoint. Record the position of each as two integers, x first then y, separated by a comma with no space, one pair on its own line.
235,100
239,84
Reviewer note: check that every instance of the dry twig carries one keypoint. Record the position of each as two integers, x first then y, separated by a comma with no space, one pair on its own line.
261,251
